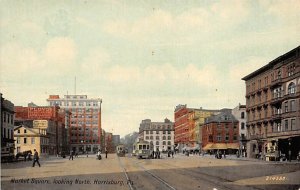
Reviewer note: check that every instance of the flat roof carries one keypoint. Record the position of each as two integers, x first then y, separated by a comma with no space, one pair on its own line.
272,63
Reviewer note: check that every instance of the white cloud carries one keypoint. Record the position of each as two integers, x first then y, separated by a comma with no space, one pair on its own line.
287,10
60,51
242,69
123,74
161,25
96,61
15,58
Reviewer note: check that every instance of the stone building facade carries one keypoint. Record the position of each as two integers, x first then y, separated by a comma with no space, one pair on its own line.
161,134
273,108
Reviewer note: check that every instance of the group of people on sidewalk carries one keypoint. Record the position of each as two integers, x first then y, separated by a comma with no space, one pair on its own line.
99,157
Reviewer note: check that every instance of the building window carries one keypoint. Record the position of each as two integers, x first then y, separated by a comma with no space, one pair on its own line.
19,131
291,88
243,115
219,137
169,137
4,117
147,137
279,74
25,140
157,132
164,142
18,140
293,105
151,137
25,131
157,137
234,137
147,132
293,124
227,137
157,142
164,137
242,125
286,125
169,142
32,140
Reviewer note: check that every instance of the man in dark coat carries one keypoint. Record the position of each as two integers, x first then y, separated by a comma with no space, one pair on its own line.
106,152
71,155
36,158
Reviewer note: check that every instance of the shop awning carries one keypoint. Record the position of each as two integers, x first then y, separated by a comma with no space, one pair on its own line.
215,146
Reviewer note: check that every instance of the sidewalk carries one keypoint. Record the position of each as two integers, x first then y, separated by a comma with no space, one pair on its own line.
233,157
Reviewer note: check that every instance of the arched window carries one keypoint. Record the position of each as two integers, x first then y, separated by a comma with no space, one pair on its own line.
164,142
291,88
279,74
243,115
169,142
164,137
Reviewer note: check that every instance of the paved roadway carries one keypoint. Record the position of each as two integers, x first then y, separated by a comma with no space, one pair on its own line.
180,172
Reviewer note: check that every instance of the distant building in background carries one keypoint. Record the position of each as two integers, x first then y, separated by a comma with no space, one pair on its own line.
109,142
240,114
188,125
161,134
220,132
7,127
273,108
85,128
116,140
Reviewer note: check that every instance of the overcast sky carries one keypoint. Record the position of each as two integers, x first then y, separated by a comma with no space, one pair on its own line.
141,57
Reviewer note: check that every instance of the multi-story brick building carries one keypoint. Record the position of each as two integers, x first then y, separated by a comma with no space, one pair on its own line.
273,107
239,112
7,128
220,132
85,128
188,125
160,134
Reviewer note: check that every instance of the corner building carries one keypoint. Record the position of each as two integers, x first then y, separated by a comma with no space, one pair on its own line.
188,126
84,133
273,108
160,134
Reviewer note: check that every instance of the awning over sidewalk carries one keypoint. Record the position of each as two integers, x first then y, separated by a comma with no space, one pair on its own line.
215,146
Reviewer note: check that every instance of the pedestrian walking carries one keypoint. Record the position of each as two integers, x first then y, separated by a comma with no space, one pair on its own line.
172,153
99,155
87,154
106,152
36,158
71,155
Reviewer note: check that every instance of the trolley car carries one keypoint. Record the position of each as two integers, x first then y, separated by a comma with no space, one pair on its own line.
120,150
142,149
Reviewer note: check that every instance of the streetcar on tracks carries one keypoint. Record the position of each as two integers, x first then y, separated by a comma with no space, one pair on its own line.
120,150
142,149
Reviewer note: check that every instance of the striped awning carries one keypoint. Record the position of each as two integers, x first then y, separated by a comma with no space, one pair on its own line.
215,146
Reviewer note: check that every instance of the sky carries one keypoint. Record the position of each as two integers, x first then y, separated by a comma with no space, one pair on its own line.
143,58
